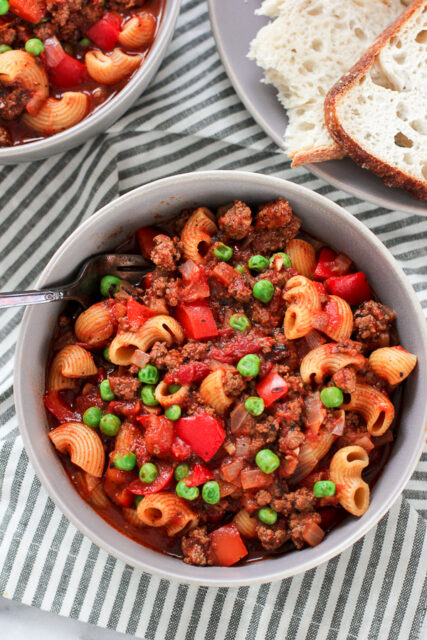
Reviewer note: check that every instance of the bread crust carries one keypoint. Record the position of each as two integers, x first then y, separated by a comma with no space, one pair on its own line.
391,176
318,154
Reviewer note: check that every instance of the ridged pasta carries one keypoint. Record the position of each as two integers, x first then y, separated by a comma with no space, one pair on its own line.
340,320
197,230
303,300
213,394
110,69
83,445
18,66
131,516
95,325
303,257
392,363
245,524
311,452
139,31
326,360
167,399
70,362
165,509
346,472
160,328
375,408
58,114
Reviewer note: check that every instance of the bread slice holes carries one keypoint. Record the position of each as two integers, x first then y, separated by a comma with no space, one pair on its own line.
315,11
400,140
407,157
309,65
400,58
360,34
424,171
402,111
317,45
421,37
420,126
361,99
306,126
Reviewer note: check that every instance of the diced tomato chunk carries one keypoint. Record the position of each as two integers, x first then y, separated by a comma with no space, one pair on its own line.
165,473
195,282
224,273
197,320
181,450
145,237
188,373
199,475
138,313
272,388
203,433
59,408
227,545
235,349
353,288
129,409
159,434
255,479
324,264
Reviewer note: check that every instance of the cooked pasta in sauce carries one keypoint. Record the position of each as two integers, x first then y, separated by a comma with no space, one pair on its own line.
237,402
61,60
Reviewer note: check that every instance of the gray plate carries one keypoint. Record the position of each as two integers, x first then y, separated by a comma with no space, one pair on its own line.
234,25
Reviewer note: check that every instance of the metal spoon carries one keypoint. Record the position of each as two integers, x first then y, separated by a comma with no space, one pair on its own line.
127,266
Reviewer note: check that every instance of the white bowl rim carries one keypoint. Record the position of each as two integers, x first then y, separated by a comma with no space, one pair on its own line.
110,111
209,577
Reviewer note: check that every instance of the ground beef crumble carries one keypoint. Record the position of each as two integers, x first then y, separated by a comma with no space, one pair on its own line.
273,537
124,387
372,324
166,252
235,220
196,547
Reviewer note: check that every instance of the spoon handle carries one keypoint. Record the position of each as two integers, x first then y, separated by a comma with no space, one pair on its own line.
23,298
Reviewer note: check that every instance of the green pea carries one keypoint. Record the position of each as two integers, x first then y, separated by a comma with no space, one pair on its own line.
92,416
240,268
85,42
109,285
281,259
110,424
125,461
173,388
210,492
34,46
324,488
258,263
105,391
248,366
267,460
239,322
149,374
138,500
267,515
181,472
4,7
173,412
332,397
189,493
254,405
4,47
263,290
106,354
147,395
223,252
148,472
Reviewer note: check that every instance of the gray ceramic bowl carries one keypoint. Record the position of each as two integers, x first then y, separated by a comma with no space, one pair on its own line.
103,117
159,201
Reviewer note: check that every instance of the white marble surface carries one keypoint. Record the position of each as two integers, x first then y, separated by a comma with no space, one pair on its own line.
19,622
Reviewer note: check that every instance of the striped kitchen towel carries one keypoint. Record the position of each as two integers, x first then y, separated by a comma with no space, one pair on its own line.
189,119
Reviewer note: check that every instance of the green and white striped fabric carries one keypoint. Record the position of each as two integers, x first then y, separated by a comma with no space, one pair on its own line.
189,119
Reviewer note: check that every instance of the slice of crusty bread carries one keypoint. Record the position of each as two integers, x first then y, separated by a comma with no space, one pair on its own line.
377,112
304,50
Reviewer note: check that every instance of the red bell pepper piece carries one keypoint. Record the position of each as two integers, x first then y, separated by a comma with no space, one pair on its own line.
197,320
159,434
64,70
199,475
31,10
271,388
138,313
145,237
180,449
353,288
105,32
188,373
227,545
59,408
164,477
224,273
203,433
